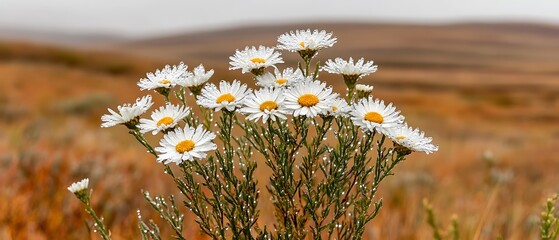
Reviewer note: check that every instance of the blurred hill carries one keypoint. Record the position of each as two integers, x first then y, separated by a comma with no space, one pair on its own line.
503,48
59,38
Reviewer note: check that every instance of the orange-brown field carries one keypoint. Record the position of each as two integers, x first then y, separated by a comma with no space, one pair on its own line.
477,89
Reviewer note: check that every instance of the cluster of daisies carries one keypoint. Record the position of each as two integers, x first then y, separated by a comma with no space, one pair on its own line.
282,93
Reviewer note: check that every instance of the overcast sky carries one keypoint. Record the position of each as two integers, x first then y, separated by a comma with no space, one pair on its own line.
153,17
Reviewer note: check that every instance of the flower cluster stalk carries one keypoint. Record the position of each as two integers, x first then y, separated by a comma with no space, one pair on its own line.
327,156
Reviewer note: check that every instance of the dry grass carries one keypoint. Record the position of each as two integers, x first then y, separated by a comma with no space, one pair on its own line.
51,100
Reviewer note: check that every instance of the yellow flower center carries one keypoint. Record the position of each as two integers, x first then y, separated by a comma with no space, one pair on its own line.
165,121
374,117
302,44
258,60
268,105
164,81
281,81
308,100
225,97
185,146
334,108
400,138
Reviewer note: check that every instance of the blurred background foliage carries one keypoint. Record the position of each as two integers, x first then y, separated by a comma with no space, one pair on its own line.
487,93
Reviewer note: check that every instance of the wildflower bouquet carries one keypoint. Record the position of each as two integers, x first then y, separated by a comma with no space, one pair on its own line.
327,154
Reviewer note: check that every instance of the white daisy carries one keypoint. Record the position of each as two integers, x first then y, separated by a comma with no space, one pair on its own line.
198,78
338,107
280,79
373,115
305,40
254,60
411,139
127,113
363,90
185,144
164,78
79,186
350,69
265,103
164,118
309,98
229,95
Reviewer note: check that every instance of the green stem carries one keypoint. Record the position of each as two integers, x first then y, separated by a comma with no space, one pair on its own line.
207,113
350,93
350,81
138,135
98,223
